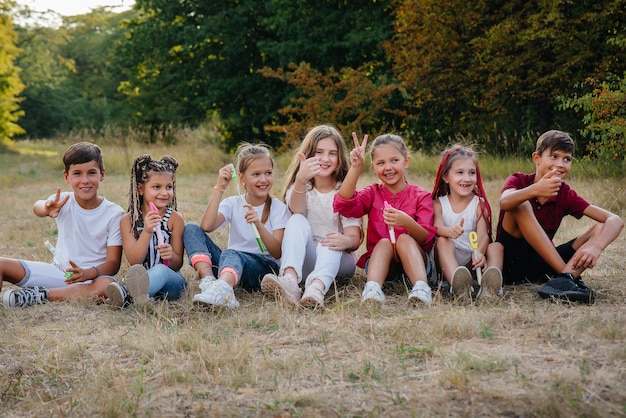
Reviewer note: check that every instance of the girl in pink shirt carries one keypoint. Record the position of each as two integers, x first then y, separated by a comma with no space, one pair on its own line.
400,231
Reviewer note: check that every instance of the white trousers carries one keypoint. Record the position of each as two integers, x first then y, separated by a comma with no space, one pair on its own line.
312,260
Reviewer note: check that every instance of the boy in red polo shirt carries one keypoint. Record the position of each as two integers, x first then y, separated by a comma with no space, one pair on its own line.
531,209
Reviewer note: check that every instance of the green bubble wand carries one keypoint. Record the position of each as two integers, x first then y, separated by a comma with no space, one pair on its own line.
255,230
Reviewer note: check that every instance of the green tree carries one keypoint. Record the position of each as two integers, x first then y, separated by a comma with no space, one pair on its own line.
71,81
187,60
498,67
604,115
10,83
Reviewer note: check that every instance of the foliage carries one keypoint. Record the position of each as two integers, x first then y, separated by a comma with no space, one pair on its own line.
483,67
204,57
604,111
10,83
354,100
71,84
604,116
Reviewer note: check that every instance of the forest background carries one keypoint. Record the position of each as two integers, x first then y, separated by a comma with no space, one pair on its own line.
193,79
492,73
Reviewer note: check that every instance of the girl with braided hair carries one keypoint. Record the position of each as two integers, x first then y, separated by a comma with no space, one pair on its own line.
461,207
152,235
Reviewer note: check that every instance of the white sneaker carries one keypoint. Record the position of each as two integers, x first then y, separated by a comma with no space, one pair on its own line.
491,283
461,284
372,293
217,293
281,286
421,291
205,281
313,296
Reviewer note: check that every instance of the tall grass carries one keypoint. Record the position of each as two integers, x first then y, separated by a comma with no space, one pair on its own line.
520,357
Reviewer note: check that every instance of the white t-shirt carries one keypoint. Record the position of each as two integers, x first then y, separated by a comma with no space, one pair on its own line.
319,212
241,237
85,234
462,246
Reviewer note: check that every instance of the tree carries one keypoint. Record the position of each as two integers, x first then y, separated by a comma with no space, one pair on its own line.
497,67
186,60
10,83
68,70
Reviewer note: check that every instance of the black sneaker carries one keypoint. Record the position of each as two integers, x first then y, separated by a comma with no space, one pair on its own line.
564,286
26,296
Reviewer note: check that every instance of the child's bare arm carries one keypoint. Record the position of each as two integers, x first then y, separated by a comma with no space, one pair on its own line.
547,186
50,207
357,160
609,228
211,218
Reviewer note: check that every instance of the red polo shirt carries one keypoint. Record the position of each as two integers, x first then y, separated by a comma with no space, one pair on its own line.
552,212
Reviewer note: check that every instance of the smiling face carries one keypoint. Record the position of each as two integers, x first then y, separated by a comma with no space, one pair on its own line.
461,178
389,165
327,154
158,189
85,179
257,180
552,160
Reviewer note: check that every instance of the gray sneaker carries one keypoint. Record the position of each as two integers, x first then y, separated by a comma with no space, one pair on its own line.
461,284
491,283
26,296
421,291
217,293
137,283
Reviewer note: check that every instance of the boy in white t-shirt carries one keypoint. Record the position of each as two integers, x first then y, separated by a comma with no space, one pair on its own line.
89,238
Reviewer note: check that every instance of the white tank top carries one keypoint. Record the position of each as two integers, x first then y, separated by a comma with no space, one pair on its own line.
461,244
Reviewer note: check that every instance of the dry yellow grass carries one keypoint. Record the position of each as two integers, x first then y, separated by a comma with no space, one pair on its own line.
520,357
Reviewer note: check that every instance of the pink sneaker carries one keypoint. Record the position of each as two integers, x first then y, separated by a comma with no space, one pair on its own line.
313,296
281,286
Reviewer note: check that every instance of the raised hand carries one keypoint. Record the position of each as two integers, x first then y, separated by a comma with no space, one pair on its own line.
53,205
549,185
456,231
357,155
309,168
224,176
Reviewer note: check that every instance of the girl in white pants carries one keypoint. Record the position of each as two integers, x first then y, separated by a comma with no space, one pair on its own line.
318,244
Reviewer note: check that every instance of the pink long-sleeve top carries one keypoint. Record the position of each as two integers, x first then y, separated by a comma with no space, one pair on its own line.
413,200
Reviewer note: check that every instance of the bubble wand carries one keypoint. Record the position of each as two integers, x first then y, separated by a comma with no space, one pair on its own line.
473,239
62,265
159,234
255,230
392,234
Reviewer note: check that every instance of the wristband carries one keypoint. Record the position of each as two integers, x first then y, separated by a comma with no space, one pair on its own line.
97,272
218,189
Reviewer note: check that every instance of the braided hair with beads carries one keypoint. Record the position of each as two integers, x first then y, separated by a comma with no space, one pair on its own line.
139,174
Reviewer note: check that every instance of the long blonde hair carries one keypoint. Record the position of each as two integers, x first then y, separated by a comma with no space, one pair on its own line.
246,153
308,147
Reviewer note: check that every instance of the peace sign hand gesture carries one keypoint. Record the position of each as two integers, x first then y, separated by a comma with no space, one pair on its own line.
357,155
53,205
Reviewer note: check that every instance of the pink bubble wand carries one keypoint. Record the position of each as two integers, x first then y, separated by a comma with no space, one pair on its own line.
159,234
392,235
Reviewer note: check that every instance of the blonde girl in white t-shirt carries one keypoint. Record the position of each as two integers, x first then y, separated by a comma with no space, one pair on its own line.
318,244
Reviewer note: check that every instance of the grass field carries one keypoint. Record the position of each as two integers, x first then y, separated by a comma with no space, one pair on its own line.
519,357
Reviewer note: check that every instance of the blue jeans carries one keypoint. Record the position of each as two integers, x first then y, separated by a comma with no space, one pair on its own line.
250,268
165,283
